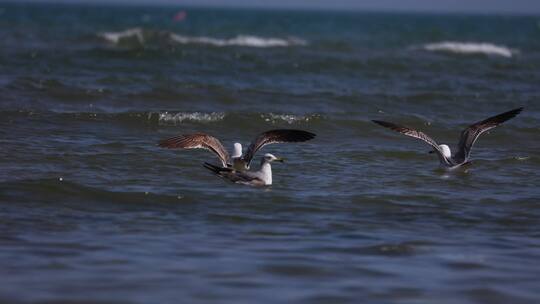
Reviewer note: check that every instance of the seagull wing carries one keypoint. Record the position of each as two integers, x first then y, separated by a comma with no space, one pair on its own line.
472,132
275,136
245,177
198,141
240,177
412,133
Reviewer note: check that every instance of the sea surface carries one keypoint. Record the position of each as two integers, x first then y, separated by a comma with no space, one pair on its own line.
92,211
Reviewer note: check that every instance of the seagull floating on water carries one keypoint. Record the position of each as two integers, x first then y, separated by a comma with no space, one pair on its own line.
239,162
261,177
466,141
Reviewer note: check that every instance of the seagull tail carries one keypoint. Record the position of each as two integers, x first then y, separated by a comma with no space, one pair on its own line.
215,169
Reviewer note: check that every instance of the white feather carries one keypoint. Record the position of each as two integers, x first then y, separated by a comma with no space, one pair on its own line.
237,151
446,151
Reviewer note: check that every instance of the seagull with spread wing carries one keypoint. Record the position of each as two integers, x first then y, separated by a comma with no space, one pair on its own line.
261,177
466,141
237,165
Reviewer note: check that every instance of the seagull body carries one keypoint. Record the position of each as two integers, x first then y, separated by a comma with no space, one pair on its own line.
261,177
466,141
236,167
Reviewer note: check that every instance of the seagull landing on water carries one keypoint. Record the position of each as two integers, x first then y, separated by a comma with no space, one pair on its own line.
261,177
238,161
466,141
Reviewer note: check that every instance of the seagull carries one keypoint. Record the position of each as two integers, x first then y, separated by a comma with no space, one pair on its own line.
261,177
466,141
238,161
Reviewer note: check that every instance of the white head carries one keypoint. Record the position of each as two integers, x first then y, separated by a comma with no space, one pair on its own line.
268,158
237,151
266,169
446,151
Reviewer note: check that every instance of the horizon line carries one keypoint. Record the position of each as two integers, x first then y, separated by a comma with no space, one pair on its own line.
144,3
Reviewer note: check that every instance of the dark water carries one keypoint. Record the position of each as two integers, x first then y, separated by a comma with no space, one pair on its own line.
91,211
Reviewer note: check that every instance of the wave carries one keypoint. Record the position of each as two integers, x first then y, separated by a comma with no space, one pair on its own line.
142,36
52,190
470,48
241,40
116,37
164,118
176,118
288,118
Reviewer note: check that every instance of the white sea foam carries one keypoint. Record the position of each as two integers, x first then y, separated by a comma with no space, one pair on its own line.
116,37
241,40
142,36
176,118
288,118
470,48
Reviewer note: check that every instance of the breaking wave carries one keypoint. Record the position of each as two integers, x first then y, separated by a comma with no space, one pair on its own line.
142,37
241,40
470,48
164,118
129,34
176,118
288,118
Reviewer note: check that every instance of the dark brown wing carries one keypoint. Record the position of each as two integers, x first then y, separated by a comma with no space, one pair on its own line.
412,133
197,141
472,132
241,177
275,136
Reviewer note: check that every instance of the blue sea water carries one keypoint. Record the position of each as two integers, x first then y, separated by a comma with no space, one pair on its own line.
92,211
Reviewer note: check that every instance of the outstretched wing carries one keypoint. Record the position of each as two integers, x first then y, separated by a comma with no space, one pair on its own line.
472,132
412,133
275,136
198,141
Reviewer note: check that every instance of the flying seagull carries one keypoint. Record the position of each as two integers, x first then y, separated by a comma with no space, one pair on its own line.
238,161
466,141
261,177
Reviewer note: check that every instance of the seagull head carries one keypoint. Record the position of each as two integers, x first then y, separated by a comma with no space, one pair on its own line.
268,158
445,150
237,151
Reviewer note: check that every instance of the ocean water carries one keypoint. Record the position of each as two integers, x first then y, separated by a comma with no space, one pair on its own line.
92,211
